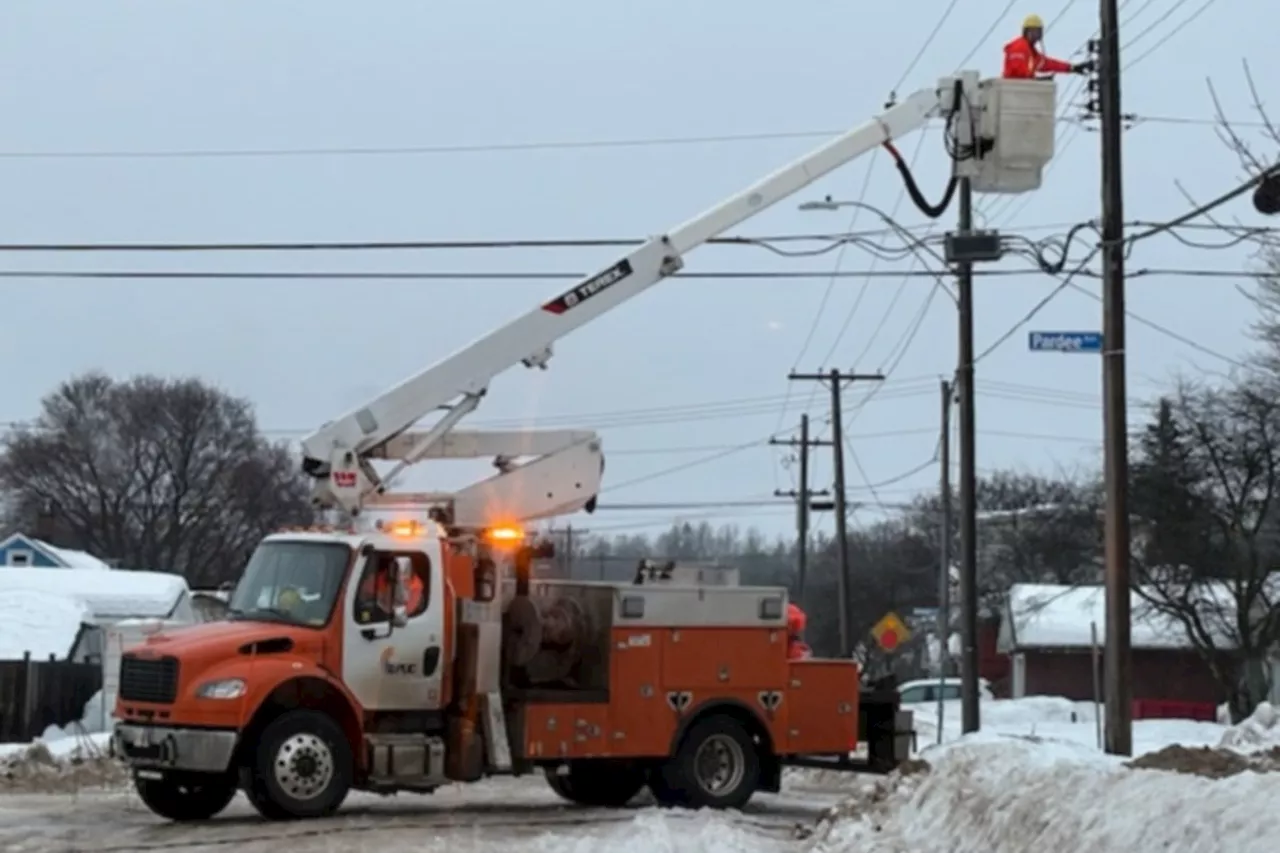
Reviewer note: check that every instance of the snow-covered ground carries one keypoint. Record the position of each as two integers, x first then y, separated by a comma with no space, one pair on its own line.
1019,791
1033,777
499,814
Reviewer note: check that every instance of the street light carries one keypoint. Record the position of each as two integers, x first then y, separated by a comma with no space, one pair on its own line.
827,203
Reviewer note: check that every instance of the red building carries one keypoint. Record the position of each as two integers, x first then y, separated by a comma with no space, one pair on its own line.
1047,634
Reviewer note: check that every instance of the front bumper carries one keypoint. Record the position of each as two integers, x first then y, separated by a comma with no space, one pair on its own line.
166,748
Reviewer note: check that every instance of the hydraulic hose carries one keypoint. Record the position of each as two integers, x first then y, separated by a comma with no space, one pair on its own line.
933,211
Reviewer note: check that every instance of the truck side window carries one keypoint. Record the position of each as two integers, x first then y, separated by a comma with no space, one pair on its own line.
376,594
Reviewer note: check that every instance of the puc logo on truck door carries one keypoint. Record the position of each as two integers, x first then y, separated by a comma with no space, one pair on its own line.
391,667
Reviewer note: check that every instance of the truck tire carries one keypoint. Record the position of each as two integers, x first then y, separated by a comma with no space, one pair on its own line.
603,784
302,769
716,766
186,799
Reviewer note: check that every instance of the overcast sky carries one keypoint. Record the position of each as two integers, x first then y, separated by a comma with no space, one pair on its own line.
696,366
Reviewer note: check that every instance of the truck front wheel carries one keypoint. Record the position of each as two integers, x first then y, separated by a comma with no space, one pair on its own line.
303,767
189,799
716,766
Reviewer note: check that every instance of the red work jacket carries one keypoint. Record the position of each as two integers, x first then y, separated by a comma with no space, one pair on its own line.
1023,62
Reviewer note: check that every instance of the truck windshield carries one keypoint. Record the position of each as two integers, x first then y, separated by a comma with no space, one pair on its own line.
295,582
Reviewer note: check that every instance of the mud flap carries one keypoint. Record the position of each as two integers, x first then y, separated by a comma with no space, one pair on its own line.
497,745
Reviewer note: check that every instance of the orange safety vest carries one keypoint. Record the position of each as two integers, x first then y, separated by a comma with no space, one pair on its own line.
1023,62
797,649
382,592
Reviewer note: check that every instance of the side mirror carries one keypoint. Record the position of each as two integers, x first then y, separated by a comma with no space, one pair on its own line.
400,608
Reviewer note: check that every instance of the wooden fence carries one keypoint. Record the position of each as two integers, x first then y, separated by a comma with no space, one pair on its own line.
35,694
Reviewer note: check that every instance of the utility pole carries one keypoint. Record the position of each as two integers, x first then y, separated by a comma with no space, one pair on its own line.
1117,663
944,550
969,719
965,247
802,496
836,380
568,551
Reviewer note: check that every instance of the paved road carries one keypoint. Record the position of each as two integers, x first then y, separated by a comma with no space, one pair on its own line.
486,816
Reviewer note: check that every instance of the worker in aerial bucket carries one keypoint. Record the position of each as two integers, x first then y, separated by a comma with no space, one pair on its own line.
1024,58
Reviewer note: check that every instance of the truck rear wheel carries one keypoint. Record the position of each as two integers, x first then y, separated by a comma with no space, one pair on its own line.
302,769
189,799
716,766
597,783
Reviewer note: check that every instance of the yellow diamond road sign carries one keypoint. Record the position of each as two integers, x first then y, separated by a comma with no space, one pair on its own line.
890,632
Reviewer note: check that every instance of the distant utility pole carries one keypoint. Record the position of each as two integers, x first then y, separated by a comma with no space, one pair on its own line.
945,543
1117,687
803,495
836,381
944,550
564,556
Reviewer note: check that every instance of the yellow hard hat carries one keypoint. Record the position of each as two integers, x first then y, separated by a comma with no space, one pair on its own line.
1032,22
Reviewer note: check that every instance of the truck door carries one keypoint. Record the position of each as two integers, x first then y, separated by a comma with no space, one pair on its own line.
389,667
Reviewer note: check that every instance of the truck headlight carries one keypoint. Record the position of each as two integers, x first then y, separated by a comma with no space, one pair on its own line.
226,688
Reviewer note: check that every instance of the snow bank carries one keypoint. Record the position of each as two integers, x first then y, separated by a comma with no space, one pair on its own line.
115,594
64,765
1057,719
41,622
991,794
1260,732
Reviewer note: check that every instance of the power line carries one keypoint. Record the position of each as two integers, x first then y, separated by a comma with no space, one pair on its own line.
419,150
435,245
1169,35
458,275
848,236
414,150
495,275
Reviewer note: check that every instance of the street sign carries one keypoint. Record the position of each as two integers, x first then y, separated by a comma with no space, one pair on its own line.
1065,342
890,632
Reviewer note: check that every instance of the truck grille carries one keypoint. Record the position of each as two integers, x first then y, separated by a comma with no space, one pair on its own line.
148,679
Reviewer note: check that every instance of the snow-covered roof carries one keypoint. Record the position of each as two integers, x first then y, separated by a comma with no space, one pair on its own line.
73,559
110,595
1050,616
40,622
66,557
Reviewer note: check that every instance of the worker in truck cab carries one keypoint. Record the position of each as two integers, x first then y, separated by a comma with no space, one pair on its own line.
797,648
377,592
1024,58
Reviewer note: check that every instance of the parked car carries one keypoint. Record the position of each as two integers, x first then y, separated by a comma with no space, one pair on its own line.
925,690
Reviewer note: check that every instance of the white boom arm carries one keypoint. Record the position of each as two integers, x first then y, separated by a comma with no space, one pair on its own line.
567,473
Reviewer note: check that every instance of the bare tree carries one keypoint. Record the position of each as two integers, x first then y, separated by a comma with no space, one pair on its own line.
170,475
1031,529
1206,481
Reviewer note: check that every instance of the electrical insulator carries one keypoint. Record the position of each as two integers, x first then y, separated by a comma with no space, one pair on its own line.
1266,198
